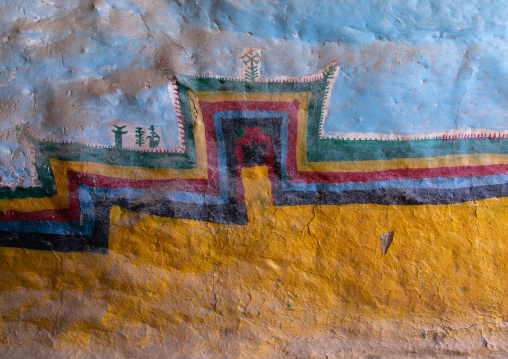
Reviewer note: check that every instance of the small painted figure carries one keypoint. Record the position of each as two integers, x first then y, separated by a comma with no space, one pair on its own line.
251,62
154,137
140,136
118,135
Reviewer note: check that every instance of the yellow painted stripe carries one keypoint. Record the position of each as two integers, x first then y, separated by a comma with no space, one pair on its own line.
425,162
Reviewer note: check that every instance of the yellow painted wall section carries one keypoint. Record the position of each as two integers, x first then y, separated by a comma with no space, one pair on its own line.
296,282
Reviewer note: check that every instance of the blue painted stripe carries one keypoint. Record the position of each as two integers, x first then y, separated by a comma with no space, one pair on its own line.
69,228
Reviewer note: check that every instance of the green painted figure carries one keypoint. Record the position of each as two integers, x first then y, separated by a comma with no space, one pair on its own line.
118,135
140,136
154,137
251,60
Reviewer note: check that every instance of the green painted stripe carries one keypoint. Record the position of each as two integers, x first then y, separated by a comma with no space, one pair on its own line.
112,156
83,153
368,150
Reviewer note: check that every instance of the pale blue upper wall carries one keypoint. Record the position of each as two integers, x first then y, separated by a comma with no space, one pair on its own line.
408,67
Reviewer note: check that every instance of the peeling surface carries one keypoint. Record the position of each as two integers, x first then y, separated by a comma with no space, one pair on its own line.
386,240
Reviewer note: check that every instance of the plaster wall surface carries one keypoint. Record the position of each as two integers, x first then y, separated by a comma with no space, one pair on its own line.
322,179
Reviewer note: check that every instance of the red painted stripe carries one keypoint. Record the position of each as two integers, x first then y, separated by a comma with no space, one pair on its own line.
211,186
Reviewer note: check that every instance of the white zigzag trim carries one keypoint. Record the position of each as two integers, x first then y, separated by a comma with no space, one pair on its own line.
175,98
479,134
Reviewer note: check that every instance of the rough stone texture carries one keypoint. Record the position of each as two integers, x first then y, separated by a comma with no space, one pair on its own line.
296,281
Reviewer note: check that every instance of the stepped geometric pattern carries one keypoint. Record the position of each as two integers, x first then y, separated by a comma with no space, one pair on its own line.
225,125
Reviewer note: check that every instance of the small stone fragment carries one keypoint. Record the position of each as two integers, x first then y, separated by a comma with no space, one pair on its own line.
386,241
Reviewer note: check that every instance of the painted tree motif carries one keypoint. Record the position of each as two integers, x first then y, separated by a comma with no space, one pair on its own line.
251,61
140,136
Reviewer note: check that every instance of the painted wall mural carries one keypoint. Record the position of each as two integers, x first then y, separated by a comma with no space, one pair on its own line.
332,183
226,124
